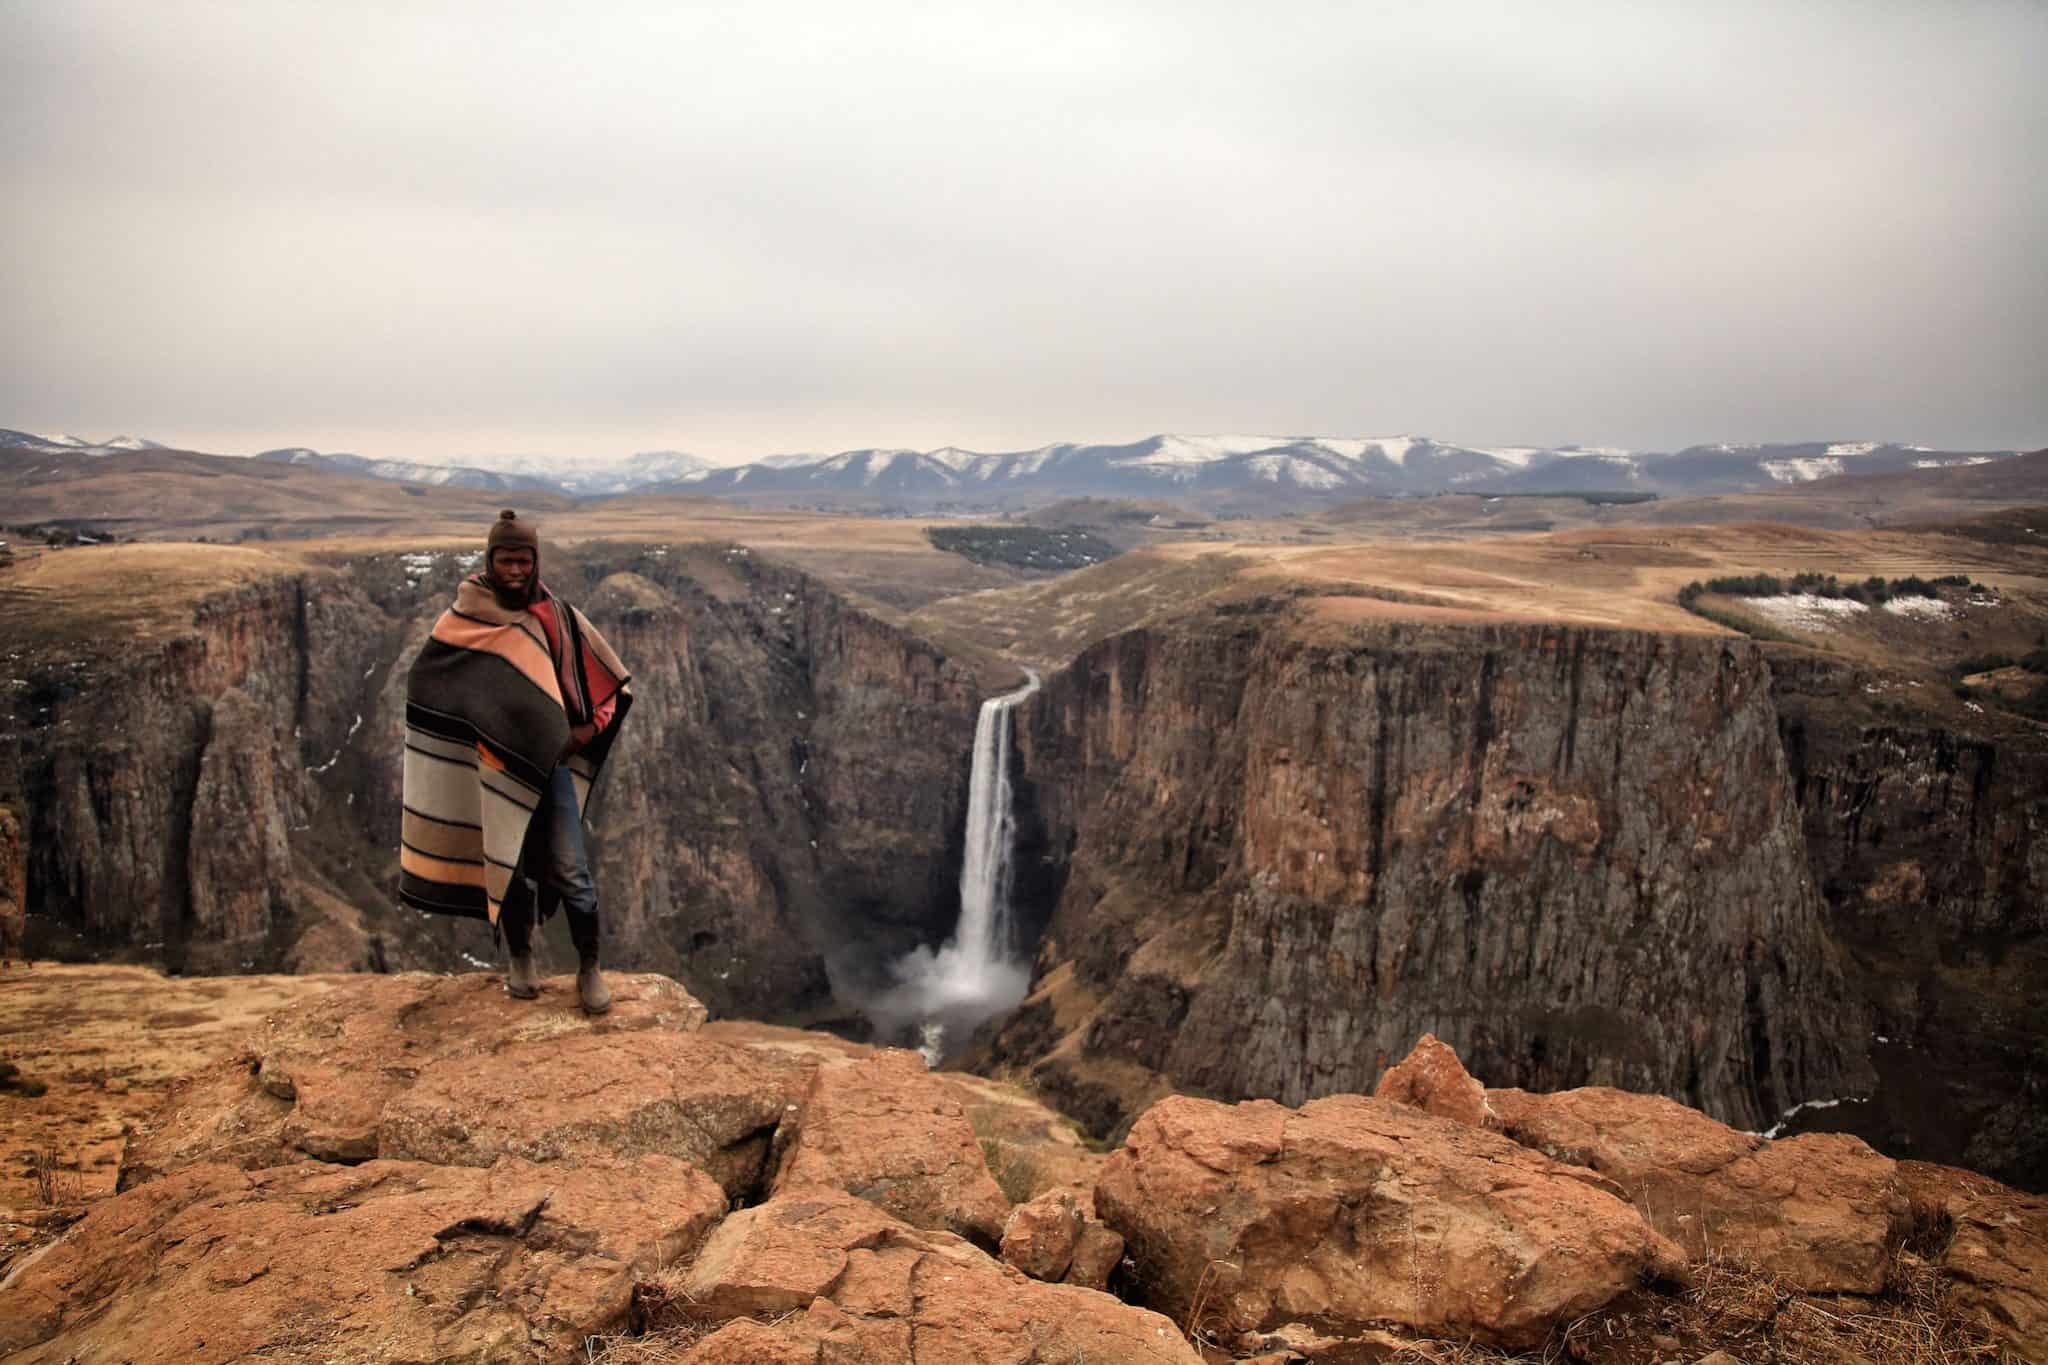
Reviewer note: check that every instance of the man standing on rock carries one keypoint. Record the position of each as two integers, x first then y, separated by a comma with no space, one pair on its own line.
510,712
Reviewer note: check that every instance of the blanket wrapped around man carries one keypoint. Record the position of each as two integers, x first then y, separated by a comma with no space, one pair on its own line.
488,710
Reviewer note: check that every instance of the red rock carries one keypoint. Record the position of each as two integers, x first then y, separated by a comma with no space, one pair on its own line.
1996,1252
316,1078
1432,1079
383,1261
1351,1212
1820,1211
884,1129
1096,1256
868,1285
597,1095
1041,1235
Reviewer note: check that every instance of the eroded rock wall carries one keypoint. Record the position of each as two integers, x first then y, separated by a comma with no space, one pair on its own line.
787,795
1930,848
159,788
1291,849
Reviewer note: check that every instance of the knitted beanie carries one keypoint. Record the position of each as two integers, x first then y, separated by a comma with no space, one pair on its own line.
508,532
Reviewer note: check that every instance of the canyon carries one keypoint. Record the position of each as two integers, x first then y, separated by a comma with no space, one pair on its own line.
1271,827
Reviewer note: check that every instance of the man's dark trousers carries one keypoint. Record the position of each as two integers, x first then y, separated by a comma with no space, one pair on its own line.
554,855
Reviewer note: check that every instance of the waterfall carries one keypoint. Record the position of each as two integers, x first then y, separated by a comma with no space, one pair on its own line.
983,933
945,995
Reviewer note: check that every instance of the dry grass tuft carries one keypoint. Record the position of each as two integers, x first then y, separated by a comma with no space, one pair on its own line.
56,1181
1013,1170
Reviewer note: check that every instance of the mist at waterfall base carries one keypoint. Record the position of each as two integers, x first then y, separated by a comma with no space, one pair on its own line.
941,995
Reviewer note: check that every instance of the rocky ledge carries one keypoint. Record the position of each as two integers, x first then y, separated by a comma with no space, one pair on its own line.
418,1168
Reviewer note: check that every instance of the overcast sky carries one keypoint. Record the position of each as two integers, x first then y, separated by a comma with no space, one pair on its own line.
435,230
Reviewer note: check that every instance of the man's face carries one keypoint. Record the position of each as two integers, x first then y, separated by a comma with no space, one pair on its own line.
513,568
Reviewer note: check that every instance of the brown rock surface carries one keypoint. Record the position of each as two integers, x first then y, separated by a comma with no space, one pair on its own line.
384,1261
1057,1237
1349,1212
315,1079
1820,1211
1996,1252
109,1042
862,1286
1041,1235
597,1095
1432,1079
885,1130
1096,1256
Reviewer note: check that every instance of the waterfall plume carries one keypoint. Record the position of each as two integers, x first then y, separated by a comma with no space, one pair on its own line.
980,971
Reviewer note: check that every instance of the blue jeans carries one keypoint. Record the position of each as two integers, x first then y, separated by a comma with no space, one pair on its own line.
554,855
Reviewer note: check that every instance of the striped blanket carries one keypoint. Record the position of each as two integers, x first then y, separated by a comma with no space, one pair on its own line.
488,710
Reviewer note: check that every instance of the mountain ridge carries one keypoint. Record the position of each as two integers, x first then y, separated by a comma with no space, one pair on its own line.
1223,466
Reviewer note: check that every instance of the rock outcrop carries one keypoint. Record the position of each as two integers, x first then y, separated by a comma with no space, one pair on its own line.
1993,1244
1351,1212
860,1286
420,1168
389,1260
436,1068
1821,1211
1290,848
1930,847
930,1173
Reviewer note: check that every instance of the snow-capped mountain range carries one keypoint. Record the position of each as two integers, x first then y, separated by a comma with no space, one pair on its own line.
1270,467
1308,467
76,445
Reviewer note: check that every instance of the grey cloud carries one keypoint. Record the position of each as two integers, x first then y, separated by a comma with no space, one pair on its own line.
750,228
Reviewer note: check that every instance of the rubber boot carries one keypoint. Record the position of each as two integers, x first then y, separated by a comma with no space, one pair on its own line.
596,997
520,982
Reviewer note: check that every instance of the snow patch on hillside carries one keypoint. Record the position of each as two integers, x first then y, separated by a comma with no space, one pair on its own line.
1293,469
1804,611
1193,450
1804,470
1920,608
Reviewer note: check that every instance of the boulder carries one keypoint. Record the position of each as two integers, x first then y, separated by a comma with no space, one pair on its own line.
1992,1242
1432,1079
1352,1213
1056,1237
315,1079
1821,1211
1096,1256
1041,1235
886,1130
382,1261
852,1284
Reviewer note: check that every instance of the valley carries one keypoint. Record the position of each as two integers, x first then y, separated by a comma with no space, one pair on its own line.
1312,786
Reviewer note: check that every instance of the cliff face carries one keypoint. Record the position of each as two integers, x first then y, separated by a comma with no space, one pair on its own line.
160,790
787,795
1574,854
1930,848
